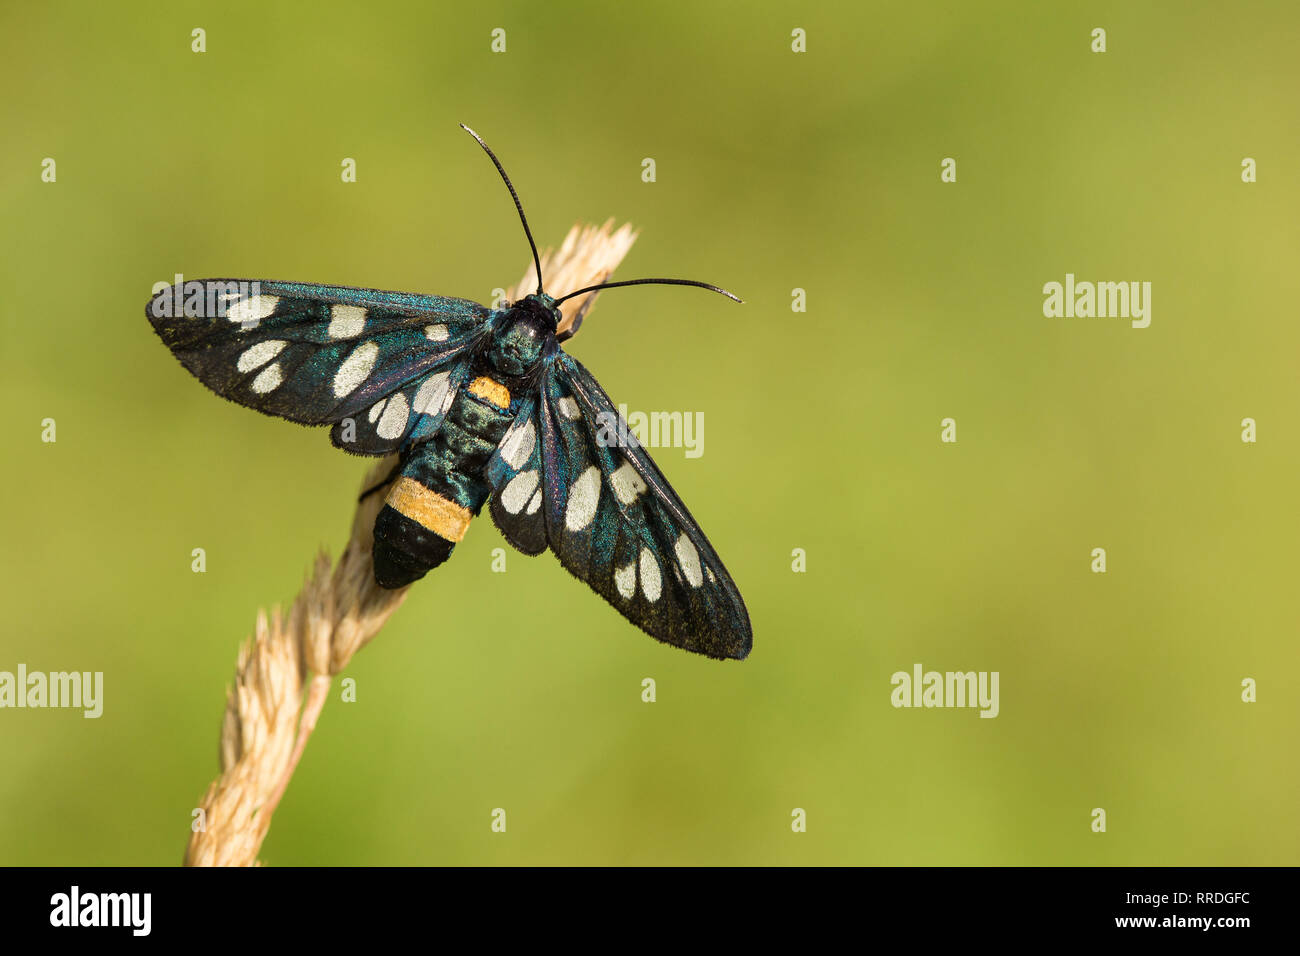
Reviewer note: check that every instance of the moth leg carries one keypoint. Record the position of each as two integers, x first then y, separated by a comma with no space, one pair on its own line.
385,481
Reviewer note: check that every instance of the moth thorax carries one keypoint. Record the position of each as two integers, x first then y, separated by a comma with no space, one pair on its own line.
517,346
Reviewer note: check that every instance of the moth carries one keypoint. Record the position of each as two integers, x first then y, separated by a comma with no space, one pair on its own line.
484,407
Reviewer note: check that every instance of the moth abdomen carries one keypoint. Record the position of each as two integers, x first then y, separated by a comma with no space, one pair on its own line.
442,487
405,548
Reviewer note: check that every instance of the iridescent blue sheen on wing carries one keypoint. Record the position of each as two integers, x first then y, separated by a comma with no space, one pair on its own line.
514,471
612,519
322,354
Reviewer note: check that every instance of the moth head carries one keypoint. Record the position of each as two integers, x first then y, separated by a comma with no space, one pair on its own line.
518,343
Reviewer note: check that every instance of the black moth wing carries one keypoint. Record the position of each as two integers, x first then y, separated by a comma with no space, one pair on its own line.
514,472
613,520
383,367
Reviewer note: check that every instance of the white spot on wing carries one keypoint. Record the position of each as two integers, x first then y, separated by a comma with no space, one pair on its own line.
584,496
535,503
431,395
393,422
519,444
253,309
651,583
268,380
689,559
346,321
625,581
355,368
518,490
626,483
435,333
377,409
255,356
569,408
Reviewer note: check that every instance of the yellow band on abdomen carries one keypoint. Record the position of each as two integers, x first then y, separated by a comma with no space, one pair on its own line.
429,509
490,390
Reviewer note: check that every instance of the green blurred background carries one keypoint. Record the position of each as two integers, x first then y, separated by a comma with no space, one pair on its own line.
775,170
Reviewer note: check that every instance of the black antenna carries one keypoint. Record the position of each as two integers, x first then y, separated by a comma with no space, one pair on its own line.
515,196
614,285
